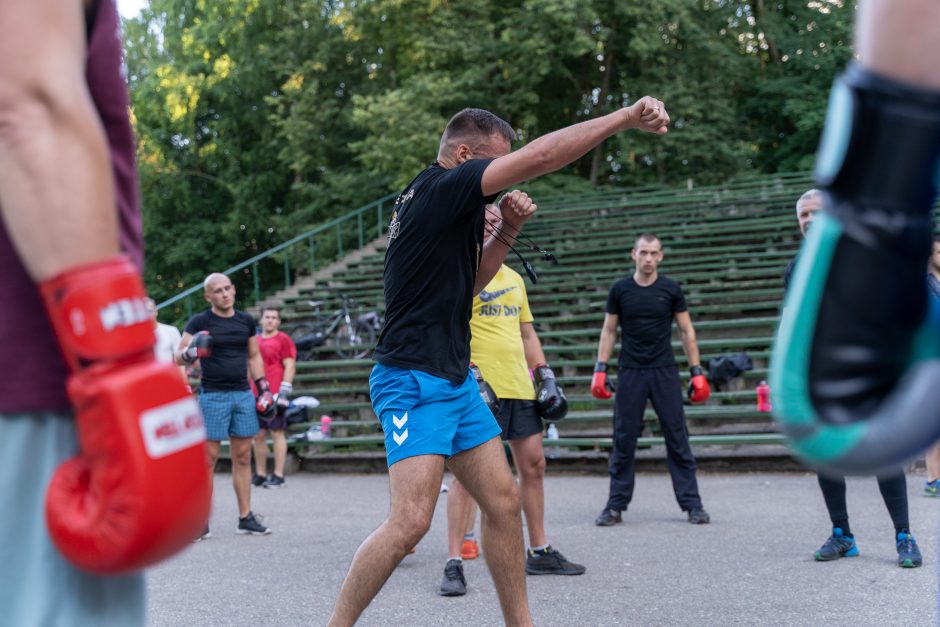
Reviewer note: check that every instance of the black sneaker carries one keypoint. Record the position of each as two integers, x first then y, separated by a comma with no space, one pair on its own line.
274,482
454,583
257,480
699,516
548,561
251,525
205,535
608,517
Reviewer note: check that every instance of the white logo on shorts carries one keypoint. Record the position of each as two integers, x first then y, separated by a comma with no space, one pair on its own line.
399,423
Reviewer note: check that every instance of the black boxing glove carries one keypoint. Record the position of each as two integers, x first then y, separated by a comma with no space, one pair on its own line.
486,391
550,399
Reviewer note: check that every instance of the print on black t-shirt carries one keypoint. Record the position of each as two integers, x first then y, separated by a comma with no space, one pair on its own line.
430,268
226,369
645,316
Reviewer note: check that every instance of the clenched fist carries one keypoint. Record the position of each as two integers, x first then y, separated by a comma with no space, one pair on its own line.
648,114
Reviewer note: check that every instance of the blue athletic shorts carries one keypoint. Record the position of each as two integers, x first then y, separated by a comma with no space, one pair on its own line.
229,414
37,585
425,415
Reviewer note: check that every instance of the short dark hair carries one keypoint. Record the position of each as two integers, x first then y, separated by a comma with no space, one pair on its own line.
476,123
936,238
647,237
274,309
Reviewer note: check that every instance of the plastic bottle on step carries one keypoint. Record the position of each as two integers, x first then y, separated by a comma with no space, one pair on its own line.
553,450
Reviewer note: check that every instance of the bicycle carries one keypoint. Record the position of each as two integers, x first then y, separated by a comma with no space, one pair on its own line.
351,337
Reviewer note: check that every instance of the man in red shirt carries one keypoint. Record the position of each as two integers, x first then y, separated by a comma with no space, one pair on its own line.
280,364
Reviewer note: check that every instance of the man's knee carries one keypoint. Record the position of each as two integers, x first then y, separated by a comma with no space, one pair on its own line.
532,468
502,502
241,455
410,526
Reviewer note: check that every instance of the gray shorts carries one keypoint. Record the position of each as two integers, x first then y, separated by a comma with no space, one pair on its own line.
518,419
37,585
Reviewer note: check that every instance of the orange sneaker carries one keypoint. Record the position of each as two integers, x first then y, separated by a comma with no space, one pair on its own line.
470,550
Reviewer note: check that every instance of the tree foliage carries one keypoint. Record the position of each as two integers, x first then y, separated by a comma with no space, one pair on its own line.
257,120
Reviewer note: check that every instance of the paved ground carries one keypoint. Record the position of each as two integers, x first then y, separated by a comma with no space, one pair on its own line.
752,566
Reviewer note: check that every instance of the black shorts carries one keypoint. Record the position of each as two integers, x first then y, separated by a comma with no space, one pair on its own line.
518,419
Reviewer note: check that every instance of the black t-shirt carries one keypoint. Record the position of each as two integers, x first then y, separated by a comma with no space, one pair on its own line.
226,369
645,316
435,242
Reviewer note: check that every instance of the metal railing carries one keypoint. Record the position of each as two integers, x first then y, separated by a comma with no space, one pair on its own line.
340,225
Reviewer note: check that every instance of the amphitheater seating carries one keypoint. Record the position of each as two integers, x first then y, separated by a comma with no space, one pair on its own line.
727,246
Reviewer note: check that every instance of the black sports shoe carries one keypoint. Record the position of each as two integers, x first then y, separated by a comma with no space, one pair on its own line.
699,516
548,561
252,526
454,583
608,517
274,482
257,480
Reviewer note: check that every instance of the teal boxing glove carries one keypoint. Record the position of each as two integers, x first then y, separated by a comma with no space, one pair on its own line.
855,371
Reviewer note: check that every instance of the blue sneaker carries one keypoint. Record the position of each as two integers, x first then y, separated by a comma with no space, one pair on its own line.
908,553
930,487
838,546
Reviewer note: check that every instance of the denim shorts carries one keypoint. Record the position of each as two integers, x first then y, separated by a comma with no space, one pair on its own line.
229,414
425,415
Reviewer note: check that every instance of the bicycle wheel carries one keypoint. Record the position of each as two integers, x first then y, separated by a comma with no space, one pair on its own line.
354,343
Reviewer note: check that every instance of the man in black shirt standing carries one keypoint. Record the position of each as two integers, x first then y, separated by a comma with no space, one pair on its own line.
224,341
645,305
421,388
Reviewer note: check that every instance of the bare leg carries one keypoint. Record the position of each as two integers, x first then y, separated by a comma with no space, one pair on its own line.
530,463
414,484
241,473
900,40
485,474
261,452
279,436
461,509
933,462
212,456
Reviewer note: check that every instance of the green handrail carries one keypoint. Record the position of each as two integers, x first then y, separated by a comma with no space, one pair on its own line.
306,237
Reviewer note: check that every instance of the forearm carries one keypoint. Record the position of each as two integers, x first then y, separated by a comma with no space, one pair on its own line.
557,149
255,367
534,355
492,256
900,39
605,346
56,184
690,346
290,370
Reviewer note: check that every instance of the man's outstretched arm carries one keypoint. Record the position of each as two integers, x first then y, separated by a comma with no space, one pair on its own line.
559,148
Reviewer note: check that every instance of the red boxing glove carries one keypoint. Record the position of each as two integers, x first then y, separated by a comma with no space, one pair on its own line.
698,386
600,386
135,493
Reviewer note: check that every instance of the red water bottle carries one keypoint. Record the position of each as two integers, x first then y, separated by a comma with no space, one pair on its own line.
763,397
326,424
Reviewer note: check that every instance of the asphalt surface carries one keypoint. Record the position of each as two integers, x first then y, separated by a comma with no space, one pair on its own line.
752,566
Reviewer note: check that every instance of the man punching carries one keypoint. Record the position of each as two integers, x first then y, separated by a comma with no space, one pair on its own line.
422,390
98,441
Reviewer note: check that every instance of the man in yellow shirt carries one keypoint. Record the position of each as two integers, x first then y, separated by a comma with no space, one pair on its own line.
504,346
